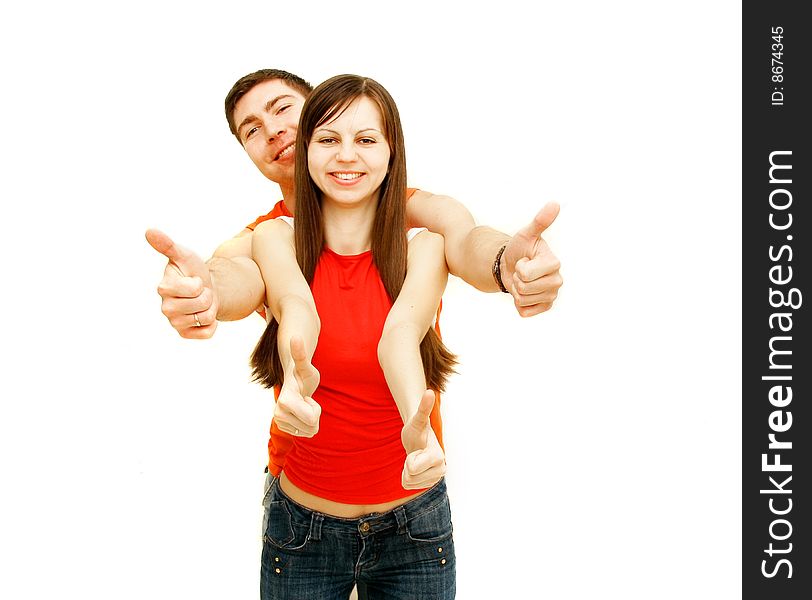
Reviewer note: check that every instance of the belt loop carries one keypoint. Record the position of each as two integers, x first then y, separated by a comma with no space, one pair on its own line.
400,515
315,526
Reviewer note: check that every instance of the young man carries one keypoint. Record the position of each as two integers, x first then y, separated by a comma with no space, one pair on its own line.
263,110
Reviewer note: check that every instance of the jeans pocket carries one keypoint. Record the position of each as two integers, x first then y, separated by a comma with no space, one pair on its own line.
433,525
266,490
266,499
279,528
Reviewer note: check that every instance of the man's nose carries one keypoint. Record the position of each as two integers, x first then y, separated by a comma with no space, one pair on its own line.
275,129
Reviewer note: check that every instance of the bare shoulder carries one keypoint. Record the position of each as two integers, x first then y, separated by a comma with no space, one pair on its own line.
427,238
276,228
427,243
239,245
420,208
426,262
423,200
420,196
439,213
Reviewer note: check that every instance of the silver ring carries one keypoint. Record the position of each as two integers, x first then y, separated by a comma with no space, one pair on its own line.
197,321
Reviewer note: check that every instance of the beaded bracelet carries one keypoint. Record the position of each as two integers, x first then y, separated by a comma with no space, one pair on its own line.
497,270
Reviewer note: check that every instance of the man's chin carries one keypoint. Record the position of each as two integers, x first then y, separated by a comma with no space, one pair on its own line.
282,176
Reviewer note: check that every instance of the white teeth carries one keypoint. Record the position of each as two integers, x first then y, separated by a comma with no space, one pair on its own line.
347,176
286,151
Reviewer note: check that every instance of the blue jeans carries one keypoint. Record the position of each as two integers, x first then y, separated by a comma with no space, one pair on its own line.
403,554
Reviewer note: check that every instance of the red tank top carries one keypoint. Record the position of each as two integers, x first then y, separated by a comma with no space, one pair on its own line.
281,445
357,456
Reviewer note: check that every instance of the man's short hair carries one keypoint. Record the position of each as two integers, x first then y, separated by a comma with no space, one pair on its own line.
245,84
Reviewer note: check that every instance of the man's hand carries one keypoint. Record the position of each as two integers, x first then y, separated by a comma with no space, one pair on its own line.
425,460
530,269
296,412
189,299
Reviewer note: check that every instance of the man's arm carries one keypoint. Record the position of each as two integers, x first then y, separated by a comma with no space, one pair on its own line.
399,355
530,271
528,268
226,288
467,247
238,282
186,289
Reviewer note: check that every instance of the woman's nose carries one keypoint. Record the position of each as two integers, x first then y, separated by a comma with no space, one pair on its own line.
346,152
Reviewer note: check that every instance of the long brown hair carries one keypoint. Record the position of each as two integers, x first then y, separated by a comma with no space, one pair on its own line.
389,246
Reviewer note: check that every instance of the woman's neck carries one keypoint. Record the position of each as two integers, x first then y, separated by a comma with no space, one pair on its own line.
348,229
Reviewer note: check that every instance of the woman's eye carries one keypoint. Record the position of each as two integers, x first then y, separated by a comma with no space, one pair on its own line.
327,141
366,141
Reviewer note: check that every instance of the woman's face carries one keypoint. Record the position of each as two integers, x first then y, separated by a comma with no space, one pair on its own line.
348,157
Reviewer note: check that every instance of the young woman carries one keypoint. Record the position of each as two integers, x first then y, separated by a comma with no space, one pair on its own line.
356,455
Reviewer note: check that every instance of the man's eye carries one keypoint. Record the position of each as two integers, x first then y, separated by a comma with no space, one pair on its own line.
283,108
251,132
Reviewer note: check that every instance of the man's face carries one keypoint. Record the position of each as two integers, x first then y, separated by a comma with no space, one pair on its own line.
267,118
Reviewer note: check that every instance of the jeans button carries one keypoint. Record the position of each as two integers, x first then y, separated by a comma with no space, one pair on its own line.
364,527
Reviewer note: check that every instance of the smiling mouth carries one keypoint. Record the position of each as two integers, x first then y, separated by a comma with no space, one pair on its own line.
287,151
347,176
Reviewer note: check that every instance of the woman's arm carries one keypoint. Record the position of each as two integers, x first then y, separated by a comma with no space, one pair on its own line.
399,355
290,301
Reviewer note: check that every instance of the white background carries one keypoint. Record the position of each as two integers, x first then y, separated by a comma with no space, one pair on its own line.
593,451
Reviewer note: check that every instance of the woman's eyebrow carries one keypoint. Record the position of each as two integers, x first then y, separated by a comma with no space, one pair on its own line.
364,130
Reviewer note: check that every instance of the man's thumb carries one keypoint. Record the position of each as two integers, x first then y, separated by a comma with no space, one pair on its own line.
187,262
541,221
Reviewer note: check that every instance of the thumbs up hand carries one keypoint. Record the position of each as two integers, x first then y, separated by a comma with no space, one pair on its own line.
296,412
425,459
189,299
530,270
307,376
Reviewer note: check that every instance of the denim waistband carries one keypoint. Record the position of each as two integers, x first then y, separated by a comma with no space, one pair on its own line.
368,524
